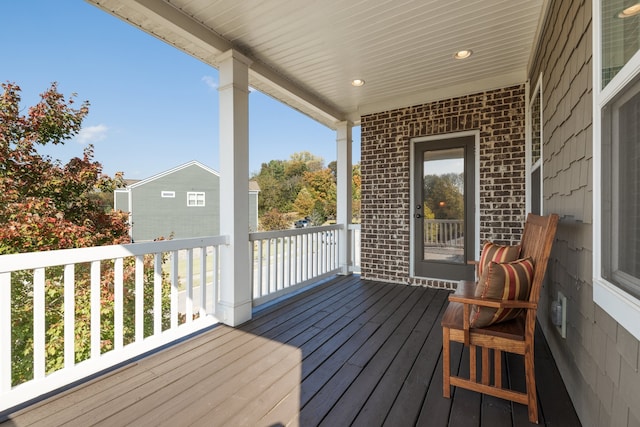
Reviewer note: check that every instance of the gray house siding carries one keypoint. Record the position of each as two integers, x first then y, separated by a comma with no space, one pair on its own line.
121,200
154,216
159,205
599,359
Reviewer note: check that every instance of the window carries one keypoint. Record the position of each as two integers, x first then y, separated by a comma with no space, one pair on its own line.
616,156
167,194
195,198
621,191
535,151
620,36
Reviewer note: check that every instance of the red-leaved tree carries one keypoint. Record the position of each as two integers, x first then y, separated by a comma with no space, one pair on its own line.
46,205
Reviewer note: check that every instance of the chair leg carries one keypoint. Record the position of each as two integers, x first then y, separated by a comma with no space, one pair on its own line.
497,368
446,364
532,396
486,366
473,361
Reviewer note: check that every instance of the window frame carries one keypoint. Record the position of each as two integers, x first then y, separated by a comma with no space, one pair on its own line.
531,166
623,307
196,199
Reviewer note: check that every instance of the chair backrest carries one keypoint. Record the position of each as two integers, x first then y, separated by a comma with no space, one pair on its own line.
537,240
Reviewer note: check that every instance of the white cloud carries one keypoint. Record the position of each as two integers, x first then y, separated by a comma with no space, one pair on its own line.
211,82
92,134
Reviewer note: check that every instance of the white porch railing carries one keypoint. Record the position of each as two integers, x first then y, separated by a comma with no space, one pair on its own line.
137,298
129,273
444,232
286,260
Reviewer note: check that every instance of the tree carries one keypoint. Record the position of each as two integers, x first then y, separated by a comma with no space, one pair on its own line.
302,185
304,203
444,196
312,162
356,184
274,220
45,205
281,180
275,187
322,187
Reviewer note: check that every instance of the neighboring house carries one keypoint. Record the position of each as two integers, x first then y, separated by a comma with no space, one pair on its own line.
181,202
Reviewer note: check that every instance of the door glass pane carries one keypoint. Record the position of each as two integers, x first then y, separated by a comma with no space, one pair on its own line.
443,203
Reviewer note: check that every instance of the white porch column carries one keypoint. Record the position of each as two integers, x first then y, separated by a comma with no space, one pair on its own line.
234,305
344,196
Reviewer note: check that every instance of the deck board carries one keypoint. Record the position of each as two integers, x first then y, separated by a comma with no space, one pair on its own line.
346,352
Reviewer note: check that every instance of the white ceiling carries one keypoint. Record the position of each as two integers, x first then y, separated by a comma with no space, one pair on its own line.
305,53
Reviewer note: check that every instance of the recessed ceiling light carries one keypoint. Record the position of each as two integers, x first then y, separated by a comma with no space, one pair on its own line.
630,11
357,82
462,54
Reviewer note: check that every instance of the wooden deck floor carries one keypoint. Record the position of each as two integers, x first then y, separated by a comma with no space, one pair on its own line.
347,352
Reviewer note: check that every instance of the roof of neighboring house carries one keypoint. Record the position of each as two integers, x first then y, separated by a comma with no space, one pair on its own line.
133,183
254,186
170,171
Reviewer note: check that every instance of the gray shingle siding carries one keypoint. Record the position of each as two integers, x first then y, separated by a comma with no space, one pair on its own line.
599,359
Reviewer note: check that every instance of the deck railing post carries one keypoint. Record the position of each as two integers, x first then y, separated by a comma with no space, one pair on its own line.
344,196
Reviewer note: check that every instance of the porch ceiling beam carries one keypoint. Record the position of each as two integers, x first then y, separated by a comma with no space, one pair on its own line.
183,25
266,80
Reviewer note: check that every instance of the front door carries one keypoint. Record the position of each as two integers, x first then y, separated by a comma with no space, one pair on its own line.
443,210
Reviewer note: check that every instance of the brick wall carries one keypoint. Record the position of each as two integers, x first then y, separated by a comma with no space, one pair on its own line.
599,360
498,116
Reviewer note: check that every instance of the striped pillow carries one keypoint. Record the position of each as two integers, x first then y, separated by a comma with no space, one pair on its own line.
492,252
506,281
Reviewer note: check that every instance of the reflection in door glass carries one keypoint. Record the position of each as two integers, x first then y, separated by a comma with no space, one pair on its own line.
444,205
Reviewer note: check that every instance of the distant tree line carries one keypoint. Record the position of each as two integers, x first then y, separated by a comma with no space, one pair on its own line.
301,187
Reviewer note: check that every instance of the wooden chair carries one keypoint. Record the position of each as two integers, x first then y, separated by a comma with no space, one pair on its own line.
514,336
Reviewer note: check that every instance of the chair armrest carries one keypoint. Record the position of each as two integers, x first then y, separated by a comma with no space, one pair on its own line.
491,302
465,294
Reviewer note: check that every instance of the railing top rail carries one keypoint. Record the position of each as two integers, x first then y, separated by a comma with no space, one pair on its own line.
31,260
292,232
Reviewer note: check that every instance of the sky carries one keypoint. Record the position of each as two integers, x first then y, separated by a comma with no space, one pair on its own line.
152,107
